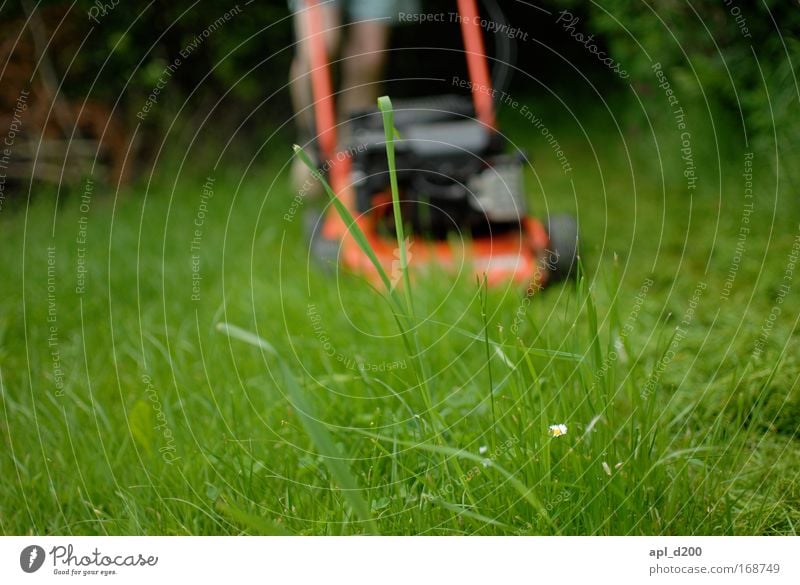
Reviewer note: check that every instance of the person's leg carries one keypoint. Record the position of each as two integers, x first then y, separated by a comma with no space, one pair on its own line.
364,59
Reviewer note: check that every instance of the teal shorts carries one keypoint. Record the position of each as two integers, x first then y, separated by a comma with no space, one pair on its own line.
356,10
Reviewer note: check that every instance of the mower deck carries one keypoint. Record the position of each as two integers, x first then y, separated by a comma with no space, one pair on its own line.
517,255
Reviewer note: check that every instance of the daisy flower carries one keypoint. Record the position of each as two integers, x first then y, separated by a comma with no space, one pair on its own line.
558,430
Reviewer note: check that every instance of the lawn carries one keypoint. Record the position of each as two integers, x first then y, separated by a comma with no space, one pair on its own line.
171,361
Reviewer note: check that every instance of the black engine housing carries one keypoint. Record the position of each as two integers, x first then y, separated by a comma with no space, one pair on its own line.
440,150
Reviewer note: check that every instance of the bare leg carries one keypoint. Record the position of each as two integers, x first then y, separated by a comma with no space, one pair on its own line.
363,65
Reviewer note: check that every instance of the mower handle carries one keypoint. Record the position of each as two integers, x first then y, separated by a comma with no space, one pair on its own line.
476,62
322,88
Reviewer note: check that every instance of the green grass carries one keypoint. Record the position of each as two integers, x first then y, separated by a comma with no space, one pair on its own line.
165,424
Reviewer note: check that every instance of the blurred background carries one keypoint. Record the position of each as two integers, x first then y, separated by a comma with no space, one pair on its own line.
90,67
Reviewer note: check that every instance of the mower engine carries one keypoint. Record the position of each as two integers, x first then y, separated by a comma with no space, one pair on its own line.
452,171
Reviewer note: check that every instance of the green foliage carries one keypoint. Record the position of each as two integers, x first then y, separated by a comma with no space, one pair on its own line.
743,56
129,47
709,448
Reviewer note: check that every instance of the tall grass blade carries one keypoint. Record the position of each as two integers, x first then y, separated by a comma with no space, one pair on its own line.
316,430
390,132
331,456
255,524
343,212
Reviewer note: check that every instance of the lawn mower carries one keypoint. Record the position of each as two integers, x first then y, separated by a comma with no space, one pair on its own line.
462,194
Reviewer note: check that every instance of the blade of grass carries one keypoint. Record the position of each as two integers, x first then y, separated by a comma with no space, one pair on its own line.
385,106
244,335
526,493
398,311
390,133
333,459
484,317
343,212
257,524
547,353
462,511
317,431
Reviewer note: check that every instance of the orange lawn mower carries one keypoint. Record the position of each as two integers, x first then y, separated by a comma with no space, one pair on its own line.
462,195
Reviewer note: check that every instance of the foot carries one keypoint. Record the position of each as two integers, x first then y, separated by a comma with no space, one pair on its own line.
303,181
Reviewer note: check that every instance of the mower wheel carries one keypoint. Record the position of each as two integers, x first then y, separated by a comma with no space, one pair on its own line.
324,250
562,230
